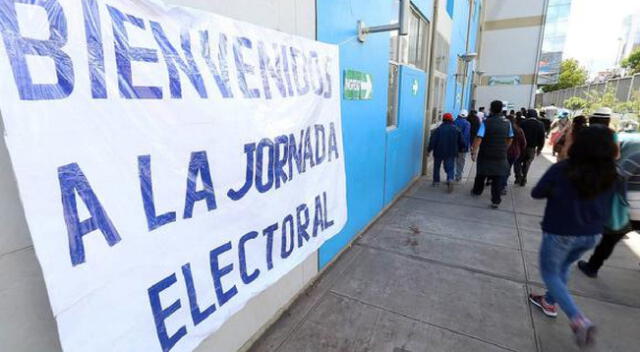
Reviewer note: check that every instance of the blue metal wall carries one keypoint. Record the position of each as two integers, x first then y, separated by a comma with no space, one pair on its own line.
366,141
454,99
404,143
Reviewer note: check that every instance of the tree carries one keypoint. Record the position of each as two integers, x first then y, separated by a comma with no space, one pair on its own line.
632,62
575,103
571,75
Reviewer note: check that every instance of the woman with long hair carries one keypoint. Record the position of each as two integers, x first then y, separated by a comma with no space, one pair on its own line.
564,143
579,194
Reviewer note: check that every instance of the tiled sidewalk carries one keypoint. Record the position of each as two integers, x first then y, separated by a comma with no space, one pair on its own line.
443,272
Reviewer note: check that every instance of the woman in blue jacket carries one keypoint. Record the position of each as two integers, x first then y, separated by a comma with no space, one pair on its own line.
579,194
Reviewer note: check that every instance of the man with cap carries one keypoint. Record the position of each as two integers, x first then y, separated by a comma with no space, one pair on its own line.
465,128
490,151
602,116
445,142
534,134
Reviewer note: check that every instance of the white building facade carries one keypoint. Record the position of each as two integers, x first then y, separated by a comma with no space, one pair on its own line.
512,36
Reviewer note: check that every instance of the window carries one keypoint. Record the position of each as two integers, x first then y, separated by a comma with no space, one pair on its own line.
410,50
442,54
441,48
392,95
418,41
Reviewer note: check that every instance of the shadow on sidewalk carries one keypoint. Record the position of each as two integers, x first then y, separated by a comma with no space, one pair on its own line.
443,272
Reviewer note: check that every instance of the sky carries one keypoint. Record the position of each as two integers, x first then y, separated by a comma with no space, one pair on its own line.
594,29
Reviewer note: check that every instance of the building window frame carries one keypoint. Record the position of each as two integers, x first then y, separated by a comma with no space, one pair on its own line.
412,50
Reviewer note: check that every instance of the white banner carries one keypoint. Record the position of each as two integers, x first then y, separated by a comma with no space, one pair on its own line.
172,163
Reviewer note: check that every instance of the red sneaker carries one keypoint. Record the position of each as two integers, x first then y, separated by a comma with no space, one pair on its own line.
584,331
549,310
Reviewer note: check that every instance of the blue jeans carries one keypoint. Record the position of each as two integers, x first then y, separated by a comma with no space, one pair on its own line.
449,168
506,179
557,254
460,161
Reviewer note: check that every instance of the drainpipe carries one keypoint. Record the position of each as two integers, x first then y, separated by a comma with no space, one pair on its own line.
430,91
466,50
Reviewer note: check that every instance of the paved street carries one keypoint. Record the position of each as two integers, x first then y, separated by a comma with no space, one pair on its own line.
443,272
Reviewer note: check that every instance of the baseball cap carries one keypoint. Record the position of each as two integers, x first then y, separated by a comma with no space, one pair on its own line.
464,113
447,116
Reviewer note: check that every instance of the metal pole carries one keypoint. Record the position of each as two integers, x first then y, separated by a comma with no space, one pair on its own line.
630,92
402,26
466,63
429,93
540,40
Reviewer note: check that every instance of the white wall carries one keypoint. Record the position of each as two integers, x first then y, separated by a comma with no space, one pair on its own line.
509,51
26,322
504,9
518,95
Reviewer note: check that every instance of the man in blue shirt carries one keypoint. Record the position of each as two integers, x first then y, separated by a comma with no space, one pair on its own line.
465,128
490,150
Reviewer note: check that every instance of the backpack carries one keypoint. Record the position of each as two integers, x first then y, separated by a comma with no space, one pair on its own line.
619,218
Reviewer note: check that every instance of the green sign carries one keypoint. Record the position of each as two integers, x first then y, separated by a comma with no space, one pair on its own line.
504,80
357,85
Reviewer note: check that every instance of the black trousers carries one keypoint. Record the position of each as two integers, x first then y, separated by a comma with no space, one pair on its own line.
608,242
522,165
497,184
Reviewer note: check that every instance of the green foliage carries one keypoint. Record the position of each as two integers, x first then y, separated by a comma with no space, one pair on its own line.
598,100
629,107
594,100
571,75
576,103
632,62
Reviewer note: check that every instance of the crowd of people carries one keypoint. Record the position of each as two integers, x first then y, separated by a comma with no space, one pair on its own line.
592,192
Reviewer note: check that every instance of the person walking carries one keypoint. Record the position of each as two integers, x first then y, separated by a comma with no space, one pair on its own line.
545,122
490,150
517,147
481,114
474,122
534,133
564,143
523,111
560,127
465,129
579,192
445,143
629,170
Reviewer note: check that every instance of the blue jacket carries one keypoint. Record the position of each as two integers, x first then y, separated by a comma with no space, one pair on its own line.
465,128
566,214
446,141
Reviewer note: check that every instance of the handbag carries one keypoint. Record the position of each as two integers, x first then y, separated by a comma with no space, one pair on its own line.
619,218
